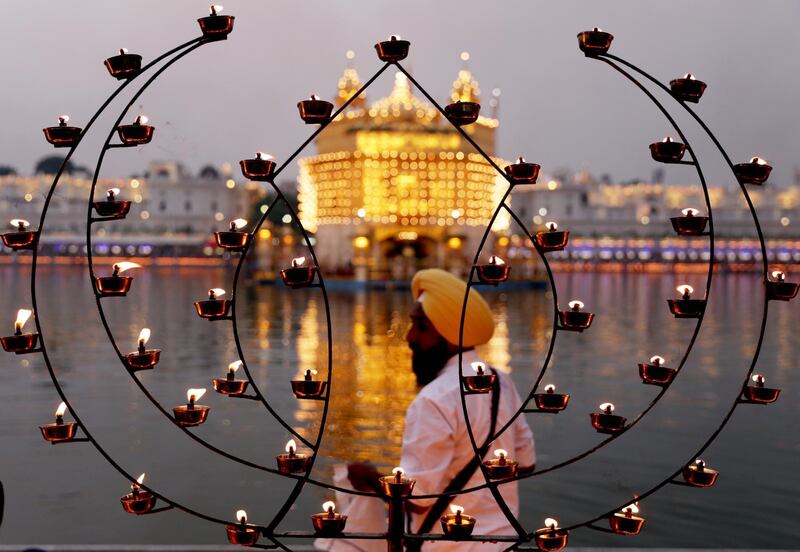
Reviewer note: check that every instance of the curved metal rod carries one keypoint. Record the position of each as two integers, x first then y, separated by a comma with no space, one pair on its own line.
763,327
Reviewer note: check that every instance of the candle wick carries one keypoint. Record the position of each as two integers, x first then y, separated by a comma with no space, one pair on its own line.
331,515
308,375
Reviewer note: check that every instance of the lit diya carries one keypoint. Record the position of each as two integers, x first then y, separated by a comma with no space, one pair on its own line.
667,151
138,501
655,373
143,359
575,319
213,308
259,168
329,522
137,134
191,414
550,401
396,484
308,388
626,522
595,42
241,533
457,524
690,224
292,461
501,466
481,382
315,111
59,431
393,49
229,385
22,238
124,65
299,275
551,239
116,285
759,394
495,272
216,26
779,289
233,239
551,538
755,172
111,206
63,136
687,88
686,307
698,474
462,113
606,421
522,172
20,342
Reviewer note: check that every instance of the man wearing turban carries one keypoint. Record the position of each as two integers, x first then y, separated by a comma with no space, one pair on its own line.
436,451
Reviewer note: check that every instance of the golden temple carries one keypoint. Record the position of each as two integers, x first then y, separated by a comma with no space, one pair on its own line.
395,188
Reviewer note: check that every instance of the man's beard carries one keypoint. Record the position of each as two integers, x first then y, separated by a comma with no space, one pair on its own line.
426,364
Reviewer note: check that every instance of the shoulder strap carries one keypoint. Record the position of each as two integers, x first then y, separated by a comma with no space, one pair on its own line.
466,473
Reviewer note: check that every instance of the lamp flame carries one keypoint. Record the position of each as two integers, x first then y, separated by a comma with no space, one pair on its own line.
233,366
552,226
144,336
298,262
125,265
215,292
689,76
689,212
22,316
398,471
329,506
758,378
479,367
17,223
667,139
631,509
575,304
113,191
62,408
607,407
142,120
685,289
778,275
123,50
758,161
140,479
500,453
455,509
241,515
239,223
394,37
216,9
495,260
657,360
520,160
291,446
549,388
63,119
551,523
264,156
195,394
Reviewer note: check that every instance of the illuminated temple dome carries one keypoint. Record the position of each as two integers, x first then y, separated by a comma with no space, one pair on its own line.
395,187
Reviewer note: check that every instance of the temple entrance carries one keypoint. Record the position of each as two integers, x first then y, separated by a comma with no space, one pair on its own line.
406,253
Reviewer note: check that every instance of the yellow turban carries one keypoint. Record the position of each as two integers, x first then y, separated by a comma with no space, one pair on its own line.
442,299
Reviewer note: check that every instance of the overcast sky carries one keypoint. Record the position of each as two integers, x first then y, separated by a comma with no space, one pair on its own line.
229,99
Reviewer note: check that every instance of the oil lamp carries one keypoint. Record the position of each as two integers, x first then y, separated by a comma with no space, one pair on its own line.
550,401
138,501
778,288
607,422
462,113
686,307
595,42
22,238
551,239
755,172
315,111
667,151
191,414
759,394
116,285
20,342
523,172
698,475
575,319
213,308
229,385
233,239
292,461
655,373
136,134
457,524
396,484
550,538
308,388
393,49
687,88
124,65
143,359
260,168
111,206
328,522
690,224
241,533
63,136
625,522
481,382
216,26
298,275
500,467
59,431
495,272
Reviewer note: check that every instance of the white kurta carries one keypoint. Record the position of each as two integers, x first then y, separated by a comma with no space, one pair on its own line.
436,447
